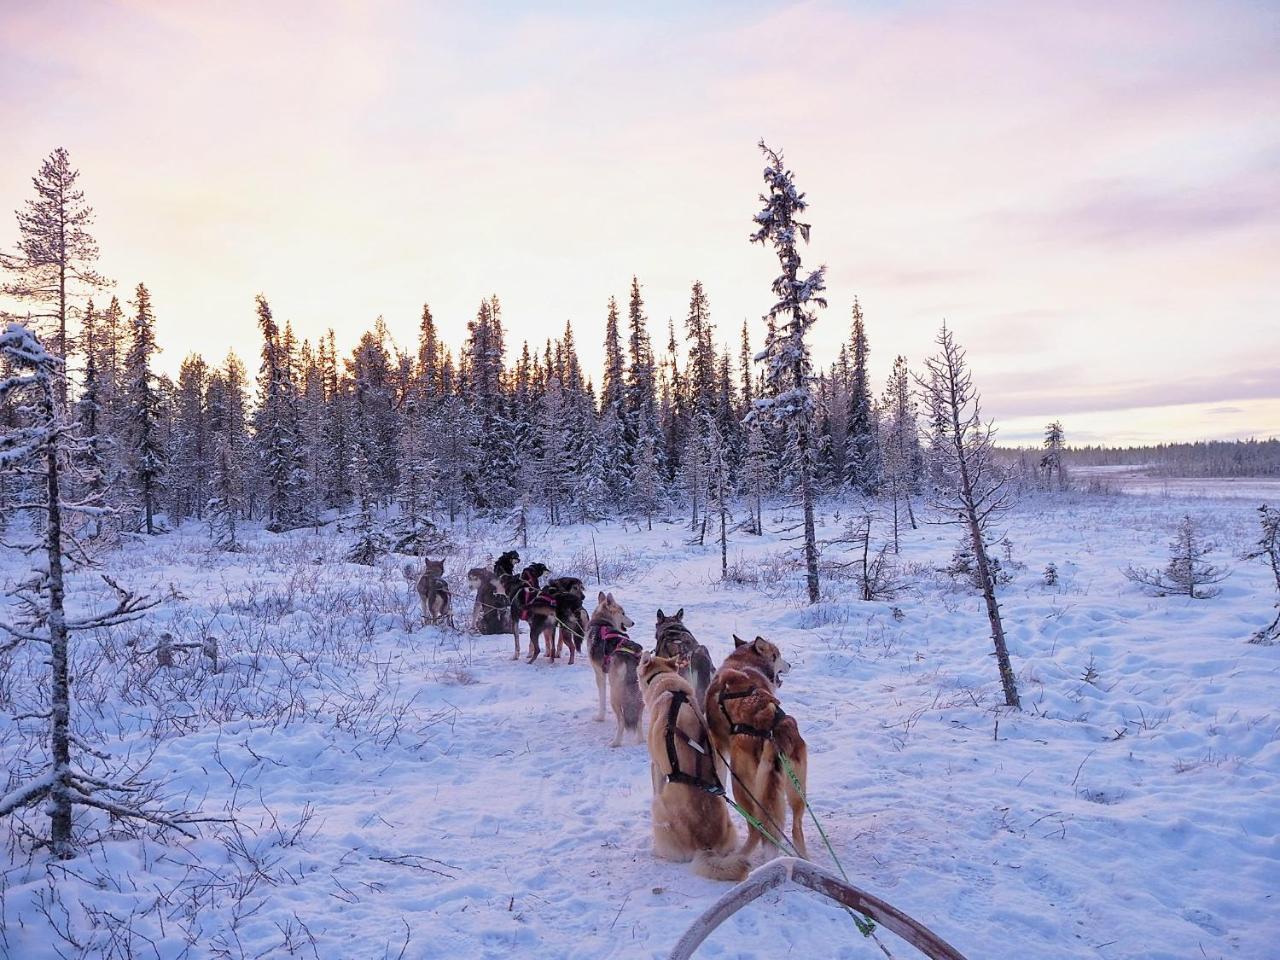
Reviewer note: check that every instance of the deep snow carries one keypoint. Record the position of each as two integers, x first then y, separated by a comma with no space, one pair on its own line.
410,791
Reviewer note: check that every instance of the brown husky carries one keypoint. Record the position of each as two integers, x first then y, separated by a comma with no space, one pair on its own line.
433,591
615,656
690,817
748,726
759,732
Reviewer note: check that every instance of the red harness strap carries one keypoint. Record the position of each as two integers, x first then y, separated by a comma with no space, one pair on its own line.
615,642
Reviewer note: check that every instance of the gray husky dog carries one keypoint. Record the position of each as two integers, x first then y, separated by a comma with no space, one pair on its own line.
616,657
433,591
674,640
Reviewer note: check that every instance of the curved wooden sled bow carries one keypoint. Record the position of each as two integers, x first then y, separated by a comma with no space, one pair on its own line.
778,872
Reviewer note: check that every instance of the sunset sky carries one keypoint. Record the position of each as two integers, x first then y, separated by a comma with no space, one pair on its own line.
1089,193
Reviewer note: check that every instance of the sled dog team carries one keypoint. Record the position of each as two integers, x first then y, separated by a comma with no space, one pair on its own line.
706,725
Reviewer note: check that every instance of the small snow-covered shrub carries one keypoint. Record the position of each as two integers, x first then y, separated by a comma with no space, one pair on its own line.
1050,575
1188,573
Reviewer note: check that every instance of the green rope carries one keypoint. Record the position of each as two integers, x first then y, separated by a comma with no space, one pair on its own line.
866,926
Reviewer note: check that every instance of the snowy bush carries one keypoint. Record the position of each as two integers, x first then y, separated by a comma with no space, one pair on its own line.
1187,573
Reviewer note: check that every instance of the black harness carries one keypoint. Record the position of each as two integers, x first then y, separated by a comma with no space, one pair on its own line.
713,786
746,728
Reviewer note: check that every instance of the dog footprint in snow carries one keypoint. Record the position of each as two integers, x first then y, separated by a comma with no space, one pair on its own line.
1204,920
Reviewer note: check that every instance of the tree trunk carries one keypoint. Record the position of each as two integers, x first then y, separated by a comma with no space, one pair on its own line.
60,708
724,544
806,501
993,614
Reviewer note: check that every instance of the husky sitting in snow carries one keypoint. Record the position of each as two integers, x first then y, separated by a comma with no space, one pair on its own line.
691,821
492,611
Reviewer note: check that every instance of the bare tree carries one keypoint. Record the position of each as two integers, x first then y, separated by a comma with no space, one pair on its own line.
1187,573
41,448
789,371
55,252
972,487
1268,551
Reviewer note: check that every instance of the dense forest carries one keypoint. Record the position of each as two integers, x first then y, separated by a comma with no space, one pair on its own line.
487,428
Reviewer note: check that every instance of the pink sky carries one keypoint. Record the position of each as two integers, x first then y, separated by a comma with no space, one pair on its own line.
1089,193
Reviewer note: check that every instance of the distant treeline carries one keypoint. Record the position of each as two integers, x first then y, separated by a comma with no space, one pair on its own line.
1211,458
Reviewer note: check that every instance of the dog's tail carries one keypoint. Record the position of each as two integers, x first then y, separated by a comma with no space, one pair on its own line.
632,702
721,866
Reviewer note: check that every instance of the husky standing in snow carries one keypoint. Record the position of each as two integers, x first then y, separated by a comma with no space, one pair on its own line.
690,817
673,640
433,591
615,657
748,725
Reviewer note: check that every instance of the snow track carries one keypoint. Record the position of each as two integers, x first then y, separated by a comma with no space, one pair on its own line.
432,789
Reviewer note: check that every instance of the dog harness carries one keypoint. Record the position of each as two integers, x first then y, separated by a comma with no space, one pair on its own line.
615,643
713,786
529,594
746,728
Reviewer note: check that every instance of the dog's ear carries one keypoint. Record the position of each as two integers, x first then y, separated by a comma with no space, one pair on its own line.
759,643
600,597
680,614
661,616
738,642
609,596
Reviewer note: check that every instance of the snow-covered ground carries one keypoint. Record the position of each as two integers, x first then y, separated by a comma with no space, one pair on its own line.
401,791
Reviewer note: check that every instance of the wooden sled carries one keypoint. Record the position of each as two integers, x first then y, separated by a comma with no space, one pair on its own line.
792,869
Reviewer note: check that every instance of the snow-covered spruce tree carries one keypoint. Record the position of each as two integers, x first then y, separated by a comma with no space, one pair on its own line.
553,471
1188,573
276,435
1268,551
189,460
413,530
1051,466
641,379
225,401
41,448
313,412
54,260
900,442
789,370
864,463
757,471
718,490
94,462
618,457
646,485
973,488
145,452
371,543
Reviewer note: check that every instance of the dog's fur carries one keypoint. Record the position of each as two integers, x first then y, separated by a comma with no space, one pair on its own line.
518,590
433,591
689,824
492,611
505,565
758,666
674,640
557,609
755,759
620,671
